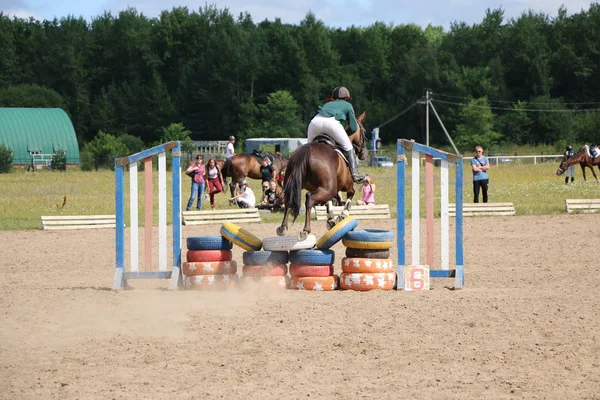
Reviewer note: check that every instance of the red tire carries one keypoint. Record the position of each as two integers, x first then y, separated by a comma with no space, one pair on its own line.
364,282
311,270
368,265
265,270
210,268
208,255
265,282
210,282
316,283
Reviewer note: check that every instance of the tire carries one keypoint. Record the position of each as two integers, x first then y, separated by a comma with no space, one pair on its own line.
366,253
323,283
311,270
366,265
265,257
265,270
365,282
210,282
283,243
265,282
312,257
336,233
370,235
209,268
208,255
241,237
208,243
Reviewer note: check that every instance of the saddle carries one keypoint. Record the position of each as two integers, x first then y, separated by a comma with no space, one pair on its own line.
324,139
261,154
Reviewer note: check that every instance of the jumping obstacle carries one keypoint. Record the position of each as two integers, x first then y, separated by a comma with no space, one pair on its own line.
447,159
131,162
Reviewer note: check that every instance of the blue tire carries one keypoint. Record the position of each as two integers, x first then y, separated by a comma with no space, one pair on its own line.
265,257
336,233
208,243
369,235
312,257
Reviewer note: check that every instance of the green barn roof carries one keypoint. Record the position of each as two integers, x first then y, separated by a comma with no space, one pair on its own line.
37,130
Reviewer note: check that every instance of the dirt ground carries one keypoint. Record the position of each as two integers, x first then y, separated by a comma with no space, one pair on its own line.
526,325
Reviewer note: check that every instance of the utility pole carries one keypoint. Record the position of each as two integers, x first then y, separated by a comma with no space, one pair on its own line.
427,118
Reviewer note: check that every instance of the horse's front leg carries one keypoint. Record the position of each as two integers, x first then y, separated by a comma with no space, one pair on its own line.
582,171
594,173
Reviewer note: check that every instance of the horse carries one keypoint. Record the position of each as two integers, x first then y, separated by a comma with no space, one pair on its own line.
242,166
322,171
582,158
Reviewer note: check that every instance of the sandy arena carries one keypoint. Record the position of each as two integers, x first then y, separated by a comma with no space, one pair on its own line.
526,325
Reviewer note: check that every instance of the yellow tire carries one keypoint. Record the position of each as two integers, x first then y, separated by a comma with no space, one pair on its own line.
241,237
358,244
336,233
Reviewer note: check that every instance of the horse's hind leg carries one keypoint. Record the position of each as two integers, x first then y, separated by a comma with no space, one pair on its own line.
308,204
281,231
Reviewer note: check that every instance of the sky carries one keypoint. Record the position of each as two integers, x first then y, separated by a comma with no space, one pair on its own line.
333,13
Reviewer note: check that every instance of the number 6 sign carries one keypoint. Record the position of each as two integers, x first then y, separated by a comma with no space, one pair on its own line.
416,277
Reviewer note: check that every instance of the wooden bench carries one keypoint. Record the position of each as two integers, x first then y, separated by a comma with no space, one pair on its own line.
220,216
78,222
582,205
477,209
376,211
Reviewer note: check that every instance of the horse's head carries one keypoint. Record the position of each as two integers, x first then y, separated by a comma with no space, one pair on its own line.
358,138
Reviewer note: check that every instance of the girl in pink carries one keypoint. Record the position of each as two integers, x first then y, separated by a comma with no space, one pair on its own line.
368,192
214,179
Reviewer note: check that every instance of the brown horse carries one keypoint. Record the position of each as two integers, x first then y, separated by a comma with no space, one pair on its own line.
582,158
244,166
323,172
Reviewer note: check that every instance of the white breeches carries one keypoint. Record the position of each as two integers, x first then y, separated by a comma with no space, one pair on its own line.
331,127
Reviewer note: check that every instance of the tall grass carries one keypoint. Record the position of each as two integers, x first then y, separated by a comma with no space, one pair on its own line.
25,196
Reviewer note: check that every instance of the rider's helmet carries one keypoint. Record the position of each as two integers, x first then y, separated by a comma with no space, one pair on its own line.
231,138
341,92
570,148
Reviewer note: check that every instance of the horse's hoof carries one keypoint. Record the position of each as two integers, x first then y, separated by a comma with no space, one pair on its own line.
281,231
302,236
330,224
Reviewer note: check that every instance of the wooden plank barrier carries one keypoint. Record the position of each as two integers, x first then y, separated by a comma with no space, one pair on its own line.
480,209
582,205
78,222
375,211
221,216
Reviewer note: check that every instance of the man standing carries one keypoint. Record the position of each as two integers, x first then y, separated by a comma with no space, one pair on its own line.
230,150
570,173
480,166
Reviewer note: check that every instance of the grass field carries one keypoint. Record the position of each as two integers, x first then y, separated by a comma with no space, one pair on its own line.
25,196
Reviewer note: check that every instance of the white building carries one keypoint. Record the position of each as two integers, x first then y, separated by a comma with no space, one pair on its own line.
284,145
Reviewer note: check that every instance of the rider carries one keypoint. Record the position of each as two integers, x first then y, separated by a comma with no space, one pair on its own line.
331,119
594,150
570,172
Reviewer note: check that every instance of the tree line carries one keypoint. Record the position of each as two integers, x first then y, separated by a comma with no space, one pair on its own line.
527,80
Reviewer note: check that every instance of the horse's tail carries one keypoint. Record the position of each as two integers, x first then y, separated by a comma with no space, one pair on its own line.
294,174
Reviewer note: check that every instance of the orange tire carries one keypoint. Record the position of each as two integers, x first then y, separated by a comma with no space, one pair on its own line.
210,268
368,265
364,281
265,270
210,282
265,282
208,255
311,270
317,283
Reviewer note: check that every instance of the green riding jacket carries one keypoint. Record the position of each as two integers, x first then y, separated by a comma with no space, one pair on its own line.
342,111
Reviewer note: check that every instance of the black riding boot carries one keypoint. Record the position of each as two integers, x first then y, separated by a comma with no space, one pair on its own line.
357,177
572,179
566,180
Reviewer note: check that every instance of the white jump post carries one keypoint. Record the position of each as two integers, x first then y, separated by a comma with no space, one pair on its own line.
443,269
121,276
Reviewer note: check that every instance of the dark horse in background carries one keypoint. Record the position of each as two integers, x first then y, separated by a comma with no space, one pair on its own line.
323,172
584,159
242,166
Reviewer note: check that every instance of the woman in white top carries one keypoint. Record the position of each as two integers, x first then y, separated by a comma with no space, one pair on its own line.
214,179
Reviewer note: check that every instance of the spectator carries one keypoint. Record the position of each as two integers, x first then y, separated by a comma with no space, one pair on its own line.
281,178
266,171
273,198
230,150
570,173
214,179
368,192
480,166
245,198
196,171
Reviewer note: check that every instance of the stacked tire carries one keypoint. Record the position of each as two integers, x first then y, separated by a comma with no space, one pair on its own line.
312,269
208,264
367,265
265,269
